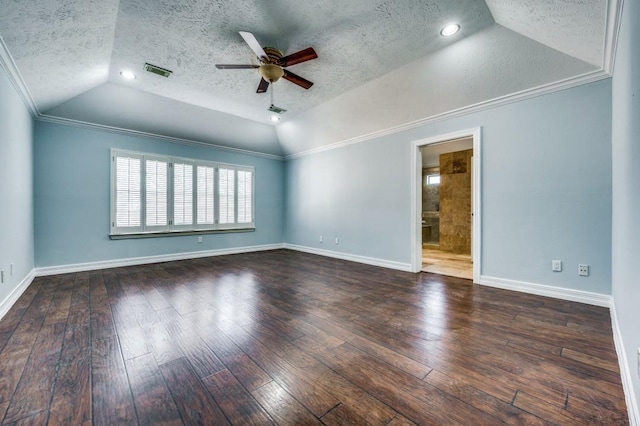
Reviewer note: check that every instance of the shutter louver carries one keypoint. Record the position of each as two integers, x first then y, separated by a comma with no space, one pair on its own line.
205,197
128,193
156,188
245,196
226,195
182,194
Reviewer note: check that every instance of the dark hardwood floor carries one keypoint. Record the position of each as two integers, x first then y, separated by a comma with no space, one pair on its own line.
289,338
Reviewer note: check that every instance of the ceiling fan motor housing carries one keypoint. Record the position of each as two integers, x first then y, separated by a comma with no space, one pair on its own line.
269,70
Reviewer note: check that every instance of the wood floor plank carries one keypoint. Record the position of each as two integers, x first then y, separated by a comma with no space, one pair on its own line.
194,402
499,409
426,404
153,401
111,395
3,408
203,360
38,419
160,343
14,357
551,413
34,391
130,334
400,420
236,402
247,371
372,410
39,306
592,360
313,397
595,414
71,402
283,407
389,356
79,315
342,415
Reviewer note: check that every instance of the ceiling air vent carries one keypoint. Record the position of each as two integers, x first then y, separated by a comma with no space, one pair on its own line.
277,110
157,70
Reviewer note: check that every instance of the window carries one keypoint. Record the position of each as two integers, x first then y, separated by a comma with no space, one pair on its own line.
433,180
151,194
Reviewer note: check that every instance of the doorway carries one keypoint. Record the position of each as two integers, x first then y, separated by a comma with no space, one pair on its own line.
447,205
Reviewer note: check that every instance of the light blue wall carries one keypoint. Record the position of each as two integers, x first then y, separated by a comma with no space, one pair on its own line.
16,187
626,186
72,197
546,186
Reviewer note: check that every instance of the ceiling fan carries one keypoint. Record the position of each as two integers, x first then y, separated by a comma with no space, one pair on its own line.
273,63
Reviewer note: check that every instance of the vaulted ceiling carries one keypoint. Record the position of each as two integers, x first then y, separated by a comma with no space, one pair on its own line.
371,54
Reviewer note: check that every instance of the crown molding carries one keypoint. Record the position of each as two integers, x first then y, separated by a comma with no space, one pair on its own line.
11,69
614,17
86,125
545,89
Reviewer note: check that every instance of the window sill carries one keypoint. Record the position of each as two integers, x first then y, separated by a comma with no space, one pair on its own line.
135,235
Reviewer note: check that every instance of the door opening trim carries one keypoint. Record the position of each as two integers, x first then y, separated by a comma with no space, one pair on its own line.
476,202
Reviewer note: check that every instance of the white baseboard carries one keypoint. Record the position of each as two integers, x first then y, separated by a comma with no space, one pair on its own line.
569,294
625,371
351,257
117,263
13,297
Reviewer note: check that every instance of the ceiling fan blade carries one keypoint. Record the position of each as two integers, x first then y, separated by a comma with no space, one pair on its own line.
235,67
296,79
253,44
298,57
263,86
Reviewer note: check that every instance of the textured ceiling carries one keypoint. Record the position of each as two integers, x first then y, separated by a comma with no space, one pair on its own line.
70,54
574,27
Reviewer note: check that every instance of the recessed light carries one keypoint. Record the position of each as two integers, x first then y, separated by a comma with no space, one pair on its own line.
449,30
128,75
275,118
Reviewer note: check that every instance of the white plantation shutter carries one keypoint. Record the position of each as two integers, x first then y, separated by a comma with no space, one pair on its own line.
156,193
226,195
128,193
205,212
182,194
245,196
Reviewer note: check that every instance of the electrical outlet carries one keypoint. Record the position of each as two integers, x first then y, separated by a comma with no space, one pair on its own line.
321,239
583,270
556,265
199,240
337,240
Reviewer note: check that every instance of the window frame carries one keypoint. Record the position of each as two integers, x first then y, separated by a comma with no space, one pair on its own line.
144,230
432,178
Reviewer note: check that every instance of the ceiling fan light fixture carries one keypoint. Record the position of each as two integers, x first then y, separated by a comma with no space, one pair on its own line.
449,30
270,72
128,75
